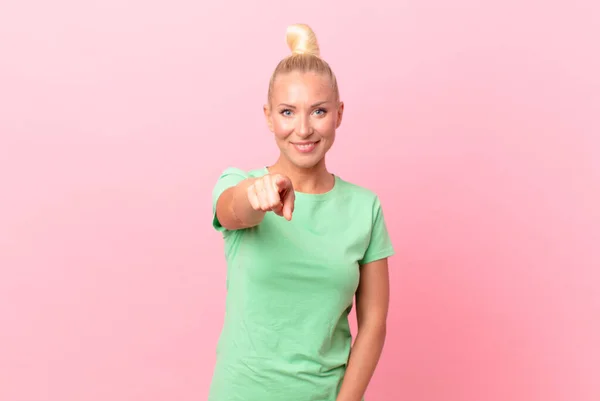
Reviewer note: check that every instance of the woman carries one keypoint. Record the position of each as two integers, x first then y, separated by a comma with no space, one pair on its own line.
300,243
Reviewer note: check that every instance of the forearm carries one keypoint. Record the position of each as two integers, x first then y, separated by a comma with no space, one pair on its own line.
241,208
363,360
234,209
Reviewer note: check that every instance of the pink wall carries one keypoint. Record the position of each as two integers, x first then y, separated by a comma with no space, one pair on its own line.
477,124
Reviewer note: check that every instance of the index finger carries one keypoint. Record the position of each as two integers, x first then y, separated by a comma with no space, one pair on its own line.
288,204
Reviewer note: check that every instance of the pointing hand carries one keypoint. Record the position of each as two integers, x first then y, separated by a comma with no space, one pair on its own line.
273,192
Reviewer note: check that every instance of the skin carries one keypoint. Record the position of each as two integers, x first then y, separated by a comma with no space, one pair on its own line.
304,108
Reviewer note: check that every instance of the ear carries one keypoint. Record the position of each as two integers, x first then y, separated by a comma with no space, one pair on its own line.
267,111
340,114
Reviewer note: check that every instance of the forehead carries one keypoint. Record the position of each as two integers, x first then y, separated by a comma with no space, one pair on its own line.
302,86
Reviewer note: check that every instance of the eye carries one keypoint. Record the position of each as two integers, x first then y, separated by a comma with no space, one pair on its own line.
320,112
286,112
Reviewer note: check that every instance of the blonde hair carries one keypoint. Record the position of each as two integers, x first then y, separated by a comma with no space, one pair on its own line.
305,57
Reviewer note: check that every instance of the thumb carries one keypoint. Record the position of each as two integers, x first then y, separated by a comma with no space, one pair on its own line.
282,183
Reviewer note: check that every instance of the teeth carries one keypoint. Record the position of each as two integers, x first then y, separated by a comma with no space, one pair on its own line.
305,147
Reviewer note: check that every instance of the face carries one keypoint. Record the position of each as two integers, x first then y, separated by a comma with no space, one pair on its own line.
303,114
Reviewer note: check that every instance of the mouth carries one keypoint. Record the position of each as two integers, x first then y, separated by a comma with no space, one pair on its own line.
305,147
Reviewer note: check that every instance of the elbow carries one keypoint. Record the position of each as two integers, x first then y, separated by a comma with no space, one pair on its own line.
376,329
382,330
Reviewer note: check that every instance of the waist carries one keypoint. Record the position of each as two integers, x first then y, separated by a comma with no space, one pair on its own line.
252,378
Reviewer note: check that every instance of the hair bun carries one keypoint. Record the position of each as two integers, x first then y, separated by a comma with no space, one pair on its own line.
302,40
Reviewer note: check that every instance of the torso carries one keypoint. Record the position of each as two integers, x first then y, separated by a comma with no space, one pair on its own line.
290,287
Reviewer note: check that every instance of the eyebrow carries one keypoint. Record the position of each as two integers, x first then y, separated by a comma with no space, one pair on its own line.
314,105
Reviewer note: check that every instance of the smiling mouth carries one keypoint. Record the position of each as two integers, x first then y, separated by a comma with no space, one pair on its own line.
305,147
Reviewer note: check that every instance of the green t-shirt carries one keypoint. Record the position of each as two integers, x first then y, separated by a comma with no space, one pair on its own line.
290,288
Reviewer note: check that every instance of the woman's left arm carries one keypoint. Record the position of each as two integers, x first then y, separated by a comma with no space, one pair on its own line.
372,299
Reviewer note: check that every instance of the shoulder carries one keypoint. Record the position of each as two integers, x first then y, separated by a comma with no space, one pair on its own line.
233,171
367,206
230,177
358,193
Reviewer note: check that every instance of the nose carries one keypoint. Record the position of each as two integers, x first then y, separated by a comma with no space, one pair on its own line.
303,127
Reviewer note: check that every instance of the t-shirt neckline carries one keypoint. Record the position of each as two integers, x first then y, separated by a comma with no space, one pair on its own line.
315,197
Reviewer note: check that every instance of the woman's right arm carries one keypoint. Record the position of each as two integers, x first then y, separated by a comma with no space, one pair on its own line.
245,204
234,210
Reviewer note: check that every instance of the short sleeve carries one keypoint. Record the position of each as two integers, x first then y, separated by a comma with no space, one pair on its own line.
229,178
380,244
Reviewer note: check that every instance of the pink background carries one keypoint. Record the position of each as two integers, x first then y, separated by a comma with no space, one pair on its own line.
476,122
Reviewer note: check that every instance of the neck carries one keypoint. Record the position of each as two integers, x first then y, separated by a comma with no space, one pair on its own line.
312,180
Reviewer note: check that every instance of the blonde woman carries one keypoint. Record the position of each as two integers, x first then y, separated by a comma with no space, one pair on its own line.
300,244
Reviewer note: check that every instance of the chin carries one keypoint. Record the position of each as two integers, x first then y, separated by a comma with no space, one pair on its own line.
307,163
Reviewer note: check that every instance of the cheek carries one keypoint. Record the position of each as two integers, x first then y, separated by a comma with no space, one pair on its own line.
282,126
326,127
